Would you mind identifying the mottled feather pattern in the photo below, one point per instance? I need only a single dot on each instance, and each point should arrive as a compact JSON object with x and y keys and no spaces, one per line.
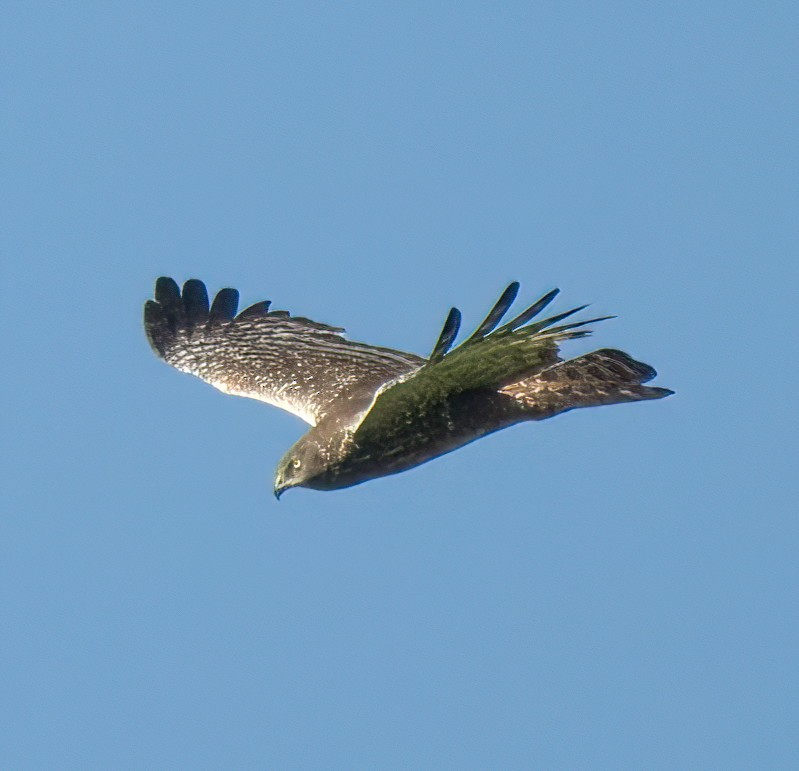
{"x":606,"y":376}
{"x":294,"y":363}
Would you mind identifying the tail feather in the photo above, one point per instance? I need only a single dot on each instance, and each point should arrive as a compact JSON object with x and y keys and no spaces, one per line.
{"x":605,"y":376}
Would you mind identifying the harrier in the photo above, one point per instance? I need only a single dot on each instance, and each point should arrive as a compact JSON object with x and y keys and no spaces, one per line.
{"x":376,"y":411}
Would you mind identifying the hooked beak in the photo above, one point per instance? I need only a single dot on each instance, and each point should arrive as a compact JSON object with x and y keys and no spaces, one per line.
{"x":279,"y":491}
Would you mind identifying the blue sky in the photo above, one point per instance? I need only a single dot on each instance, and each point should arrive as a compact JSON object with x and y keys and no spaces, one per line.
{"x":612,"y":588}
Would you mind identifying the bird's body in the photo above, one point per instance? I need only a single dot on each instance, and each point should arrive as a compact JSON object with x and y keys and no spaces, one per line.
{"x":377,"y":411}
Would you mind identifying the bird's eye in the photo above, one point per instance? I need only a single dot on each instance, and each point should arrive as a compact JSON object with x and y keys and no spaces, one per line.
{"x":296,"y":463}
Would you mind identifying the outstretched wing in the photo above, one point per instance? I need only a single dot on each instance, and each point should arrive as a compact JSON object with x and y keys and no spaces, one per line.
{"x":293,"y":363}
{"x":493,"y":357}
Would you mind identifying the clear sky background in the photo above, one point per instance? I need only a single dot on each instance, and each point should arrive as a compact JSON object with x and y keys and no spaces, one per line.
{"x":613,"y":588}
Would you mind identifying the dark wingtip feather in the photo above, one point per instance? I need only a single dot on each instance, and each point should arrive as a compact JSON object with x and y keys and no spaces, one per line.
{"x":531,"y":312}
{"x":195,"y":300}
{"x":167,"y":290}
{"x":225,"y":305}
{"x":497,"y":312}
{"x":577,"y":324}
{"x":447,"y":336}
{"x":156,"y":326}
{"x":534,"y":329}
{"x":167,"y":295}
{"x":258,"y":309}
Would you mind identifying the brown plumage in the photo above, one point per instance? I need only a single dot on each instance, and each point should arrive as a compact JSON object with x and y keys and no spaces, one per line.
{"x":377,"y":411}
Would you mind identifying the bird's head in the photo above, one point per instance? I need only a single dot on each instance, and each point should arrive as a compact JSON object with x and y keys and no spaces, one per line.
{"x":304,"y":465}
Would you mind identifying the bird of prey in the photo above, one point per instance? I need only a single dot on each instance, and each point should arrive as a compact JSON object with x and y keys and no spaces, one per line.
{"x":376,"y":411}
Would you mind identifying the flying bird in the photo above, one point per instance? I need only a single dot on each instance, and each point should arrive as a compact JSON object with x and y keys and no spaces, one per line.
{"x":376,"y":411}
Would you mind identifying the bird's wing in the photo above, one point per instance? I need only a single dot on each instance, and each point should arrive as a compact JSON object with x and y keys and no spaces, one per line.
{"x":493,"y":357}
{"x":293,"y":363}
